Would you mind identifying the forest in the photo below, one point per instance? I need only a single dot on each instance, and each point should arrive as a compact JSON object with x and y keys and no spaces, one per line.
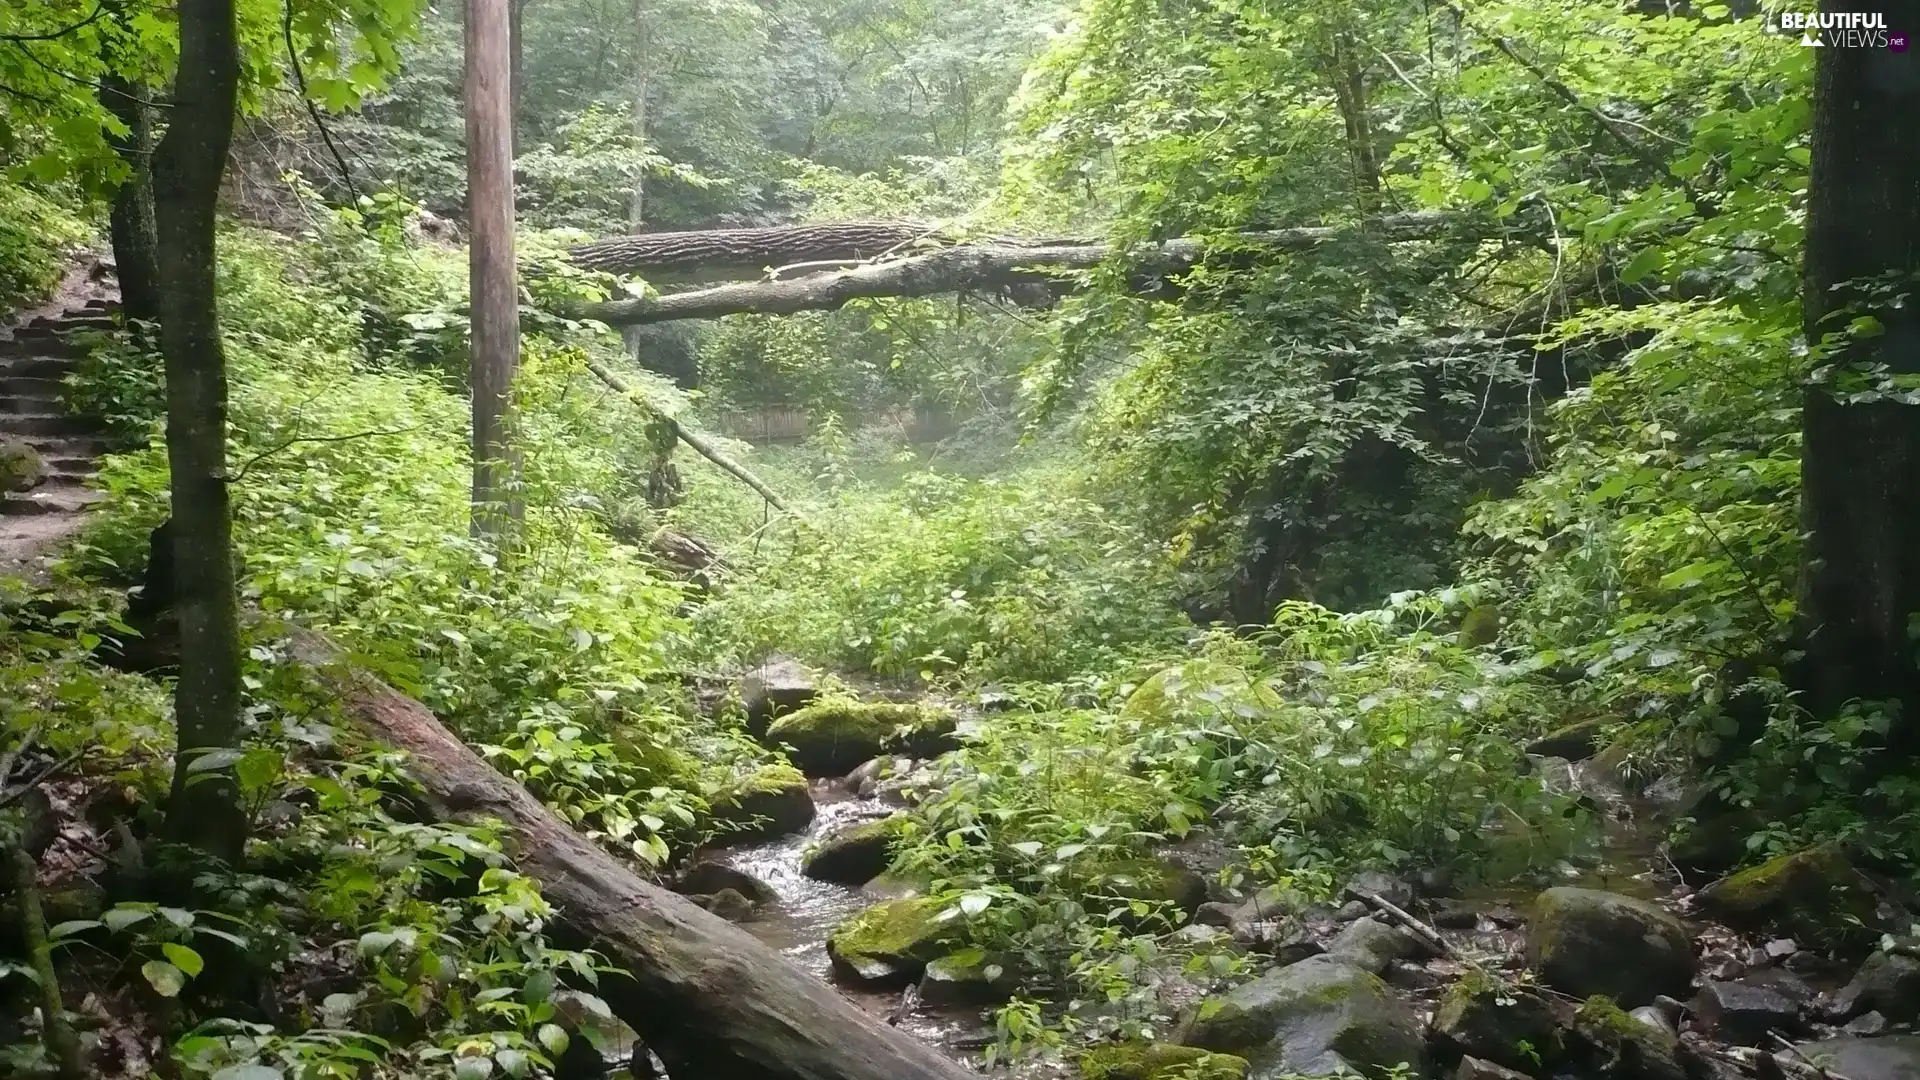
{"x":891,"y":540}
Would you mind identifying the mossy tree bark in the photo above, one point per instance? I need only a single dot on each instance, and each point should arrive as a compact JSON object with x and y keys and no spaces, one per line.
{"x":1860,"y":461}
{"x":187,"y":169}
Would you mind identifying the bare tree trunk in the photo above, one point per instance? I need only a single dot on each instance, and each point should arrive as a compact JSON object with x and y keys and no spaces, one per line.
{"x":1860,"y":460}
{"x":187,"y":168}
{"x":130,"y":223}
{"x":492,"y":287}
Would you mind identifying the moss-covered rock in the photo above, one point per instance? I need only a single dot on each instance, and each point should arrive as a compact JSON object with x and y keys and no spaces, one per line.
{"x":1613,"y":1043}
{"x":1154,"y":881}
{"x":832,"y":738}
{"x":968,"y":977}
{"x":890,"y":943}
{"x":1315,"y":1017}
{"x":1159,"y":1061}
{"x":773,"y":801}
{"x":1586,"y":941}
{"x":20,"y":466}
{"x":729,"y":904}
{"x":1507,"y":1025}
{"x":1814,"y":895}
{"x":893,"y":884}
{"x":856,"y":855}
{"x":1155,"y":700}
{"x":1577,"y":741}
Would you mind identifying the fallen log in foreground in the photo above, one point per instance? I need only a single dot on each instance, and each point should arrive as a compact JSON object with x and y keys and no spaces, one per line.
{"x":713,"y":1002}
{"x":974,"y":268}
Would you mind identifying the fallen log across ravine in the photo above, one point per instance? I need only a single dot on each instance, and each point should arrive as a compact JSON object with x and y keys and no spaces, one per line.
{"x":709,"y":999}
{"x":977,"y":267}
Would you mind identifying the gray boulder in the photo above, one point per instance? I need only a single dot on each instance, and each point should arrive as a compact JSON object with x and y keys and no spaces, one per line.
{"x":1473,"y":1068}
{"x":1887,"y":1057}
{"x":1614,"y":1044}
{"x":779,"y":685}
{"x":1888,"y":983}
{"x":1393,"y":890}
{"x":1585,"y":942}
{"x":1372,"y":945}
{"x":706,"y":878}
{"x":1745,"y":1012}
{"x":1315,"y":1017}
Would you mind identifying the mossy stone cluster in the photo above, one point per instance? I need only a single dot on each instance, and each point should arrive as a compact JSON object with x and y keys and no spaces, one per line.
{"x":772,"y":801}
{"x":832,"y":738}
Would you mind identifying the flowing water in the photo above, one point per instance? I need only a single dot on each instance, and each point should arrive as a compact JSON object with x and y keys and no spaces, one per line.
{"x":797,"y":924}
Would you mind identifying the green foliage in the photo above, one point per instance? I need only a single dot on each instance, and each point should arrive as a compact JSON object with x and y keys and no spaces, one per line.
{"x":37,"y":235}
{"x":950,"y":576}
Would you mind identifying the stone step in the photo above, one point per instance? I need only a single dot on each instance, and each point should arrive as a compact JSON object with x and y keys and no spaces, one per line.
{"x":35,"y":403}
{"x":47,"y":424}
{"x":34,"y":348}
{"x":30,"y":386}
{"x":56,"y":496}
{"x":69,"y":465}
{"x":71,"y":321}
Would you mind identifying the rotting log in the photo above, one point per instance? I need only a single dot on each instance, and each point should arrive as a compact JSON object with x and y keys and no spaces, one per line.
{"x":709,"y":999}
{"x":979,"y":268}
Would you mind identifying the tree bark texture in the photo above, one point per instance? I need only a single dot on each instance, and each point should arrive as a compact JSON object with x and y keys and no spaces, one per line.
{"x":493,"y":291}
{"x":712,"y":1001}
{"x":187,"y":168}
{"x":1860,"y":461}
{"x":130,"y":223}
{"x":966,"y":268}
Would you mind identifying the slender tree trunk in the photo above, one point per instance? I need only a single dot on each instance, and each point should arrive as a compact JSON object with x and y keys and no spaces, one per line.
{"x":1350,"y":92}
{"x":1860,"y":461}
{"x":187,"y":168}
{"x":494,"y":292}
{"x":131,"y":221}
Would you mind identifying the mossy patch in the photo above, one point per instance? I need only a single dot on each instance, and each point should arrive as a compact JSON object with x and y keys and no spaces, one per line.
{"x":891,"y":942}
{"x":1154,"y":881}
{"x":1619,"y":1045}
{"x":1159,"y":1061}
{"x":20,"y":466}
{"x":832,"y":738}
{"x":1158,"y":698}
{"x":1498,"y":1022}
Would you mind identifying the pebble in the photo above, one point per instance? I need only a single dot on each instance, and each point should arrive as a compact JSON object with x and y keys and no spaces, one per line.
{"x":1871,"y":1023}
{"x":1352,"y":910}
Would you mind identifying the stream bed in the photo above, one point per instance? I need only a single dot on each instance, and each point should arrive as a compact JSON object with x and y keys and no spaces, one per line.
{"x":797,"y":924}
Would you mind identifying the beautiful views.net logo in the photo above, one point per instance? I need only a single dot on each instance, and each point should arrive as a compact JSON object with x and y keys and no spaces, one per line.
{"x":1840,"y":29}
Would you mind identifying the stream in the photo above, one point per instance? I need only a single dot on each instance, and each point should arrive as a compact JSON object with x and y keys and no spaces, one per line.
{"x":797,"y":924}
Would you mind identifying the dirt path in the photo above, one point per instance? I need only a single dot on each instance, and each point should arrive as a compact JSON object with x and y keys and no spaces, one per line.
{"x":36,"y":353}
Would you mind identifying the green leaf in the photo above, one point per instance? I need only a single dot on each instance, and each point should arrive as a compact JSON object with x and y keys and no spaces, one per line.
{"x":249,"y":1071}
{"x":70,"y":927}
{"x":183,"y":958}
{"x":165,"y":978}
{"x":120,"y":918}
{"x":554,"y":1038}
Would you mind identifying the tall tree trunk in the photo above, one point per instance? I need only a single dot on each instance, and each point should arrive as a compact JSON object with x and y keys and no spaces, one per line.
{"x":1860,"y":461}
{"x":131,"y":221}
{"x":493,"y":290}
{"x":187,"y":168}
{"x":516,"y":38}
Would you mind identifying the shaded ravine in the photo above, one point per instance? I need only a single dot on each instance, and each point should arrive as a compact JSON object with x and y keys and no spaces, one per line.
{"x":797,"y":924}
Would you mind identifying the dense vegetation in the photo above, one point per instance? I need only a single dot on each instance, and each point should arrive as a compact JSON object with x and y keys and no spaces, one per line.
{"x":1290,"y":553}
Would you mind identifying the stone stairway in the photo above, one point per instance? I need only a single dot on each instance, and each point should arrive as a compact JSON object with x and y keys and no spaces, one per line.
{"x":35,"y":357}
